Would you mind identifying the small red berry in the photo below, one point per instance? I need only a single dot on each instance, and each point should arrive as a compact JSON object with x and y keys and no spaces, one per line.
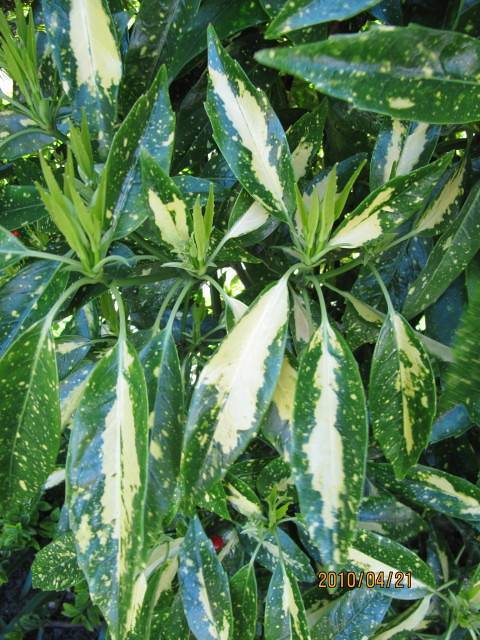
{"x":217,"y":542}
{"x":17,"y":233}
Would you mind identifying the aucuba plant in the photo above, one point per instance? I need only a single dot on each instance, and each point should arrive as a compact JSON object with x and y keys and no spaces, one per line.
{"x":239,"y":306}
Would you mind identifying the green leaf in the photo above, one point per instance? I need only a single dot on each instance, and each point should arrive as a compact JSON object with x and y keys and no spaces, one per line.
{"x":425,"y":74}
{"x":432,"y":489}
{"x":408,"y":620}
{"x":149,"y":126}
{"x":19,"y":206}
{"x":20,"y":136}
{"x":386,"y":516}
{"x":166,"y":203}
{"x":71,"y":391}
{"x":166,"y":406}
{"x":83,"y":41}
{"x":106,"y":484}
{"x":463,"y":375}
{"x":284,"y":609}
{"x":402,"y":396}
{"x":278,"y":424}
{"x":329,"y":441}
{"x":373,"y":553}
{"x":386,"y":208}
{"x":298,"y":14}
{"x":157,"y":27}
{"x":55,"y":567}
{"x":352,"y":616}
{"x":11,"y":249}
{"x":400,"y":148}
{"x":248,"y":133}
{"x":242,"y":498}
{"x":225,"y":415}
{"x":305,"y":138}
{"x":452,"y":253}
{"x":243,"y":591}
{"x":204,"y":587}
{"x":269,"y":555}
{"x":29,"y":419}
{"x":27,"y":297}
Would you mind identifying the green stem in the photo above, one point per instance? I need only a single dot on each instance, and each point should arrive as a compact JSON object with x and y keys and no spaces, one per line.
{"x":122,"y":334}
{"x":321,"y":299}
{"x":41,"y":255}
{"x":72,"y":289}
{"x":384,"y":289}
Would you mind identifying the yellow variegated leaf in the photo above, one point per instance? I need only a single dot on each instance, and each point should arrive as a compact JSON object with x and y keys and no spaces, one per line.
{"x":234,"y":390}
{"x":278,"y":424}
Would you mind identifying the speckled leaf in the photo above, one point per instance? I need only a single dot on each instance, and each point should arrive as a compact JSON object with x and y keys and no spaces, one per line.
{"x":11,"y":249}
{"x":402,"y":396}
{"x":298,"y":14}
{"x":242,"y":498}
{"x":204,"y":587}
{"x":408,"y":620}
{"x":277,"y":475}
{"x":400,"y":148}
{"x":106,"y":484}
{"x":20,"y":136}
{"x":388,"y":207}
{"x":424,"y":74}
{"x":157,"y":25}
{"x":71,"y":350}
{"x":305,"y":139}
{"x":330,"y":437}
{"x":374,"y":553}
{"x":248,"y":132}
{"x":243,"y":590}
{"x":82,"y":37}
{"x":353,"y":616}
{"x":284,"y":609}
{"x":452,"y":253}
{"x":432,"y":489}
{"x":278,"y":424}
{"x":55,"y":567}
{"x":27,"y":297}
{"x":19,"y":206}
{"x":29,"y":419}
{"x":234,"y":390}
{"x":149,"y":126}
{"x":167,"y":205}
{"x":384,"y":515}
{"x":71,"y":390}
{"x":165,"y":394}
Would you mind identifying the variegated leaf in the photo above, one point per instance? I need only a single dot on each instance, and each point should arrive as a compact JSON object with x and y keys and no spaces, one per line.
{"x":352,"y":616}
{"x":83,"y":41}
{"x":242,"y":498}
{"x":27,"y":297}
{"x":253,"y":218}
{"x":402,"y":395}
{"x":284,"y":609}
{"x":401,"y":148}
{"x":29,"y":419}
{"x":224,"y":415}
{"x":55,"y":567}
{"x":305,"y":139}
{"x":329,"y":441}
{"x":166,"y":203}
{"x":204,"y":587}
{"x":383,"y":557}
{"x":408,"y":620}
{"x":384,"y":515}
{"x":166,"y":406}
{"x":278,"y":424}
{"x":388,"y":206}
{"x":71,"y":390}
{"x":448,"y":259}
{"x":106,"y":484}
{"x":243,"y":590}
{"x":432,"y":489}
{"x":248,"y":132}
{"x":11,"y":249}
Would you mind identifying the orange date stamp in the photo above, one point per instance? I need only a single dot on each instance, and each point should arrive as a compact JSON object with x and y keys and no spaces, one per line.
{"x":368,"y":579}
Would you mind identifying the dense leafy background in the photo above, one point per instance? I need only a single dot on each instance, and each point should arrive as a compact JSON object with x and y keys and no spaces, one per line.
{"x":239,"y":303}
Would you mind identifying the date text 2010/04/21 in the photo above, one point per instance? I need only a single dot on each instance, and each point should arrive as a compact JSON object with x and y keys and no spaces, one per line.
{"x":369,"y":579}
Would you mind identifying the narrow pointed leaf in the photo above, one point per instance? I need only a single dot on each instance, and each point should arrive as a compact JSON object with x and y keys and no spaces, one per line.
{"x":432,"y":489}
{"x":293,"y":557}
{"x":225,"y":415}
{"x":402,"y":397}
{"x":243,"y":591}
{"x":204,"y":587}
{"x":448,"y":259}
{"x":329,"y":441}
{"x":29,"y":419}
{"x":388,"y":206}
{"x":83,"y":40}
{"x":284,"y":609}
{"x":408,"y":620}
{"x":248,"y":132}
{"x":420,"y":71}
{"x":106,"y":483}
{"x":305,"y":139}
{"x":278,"y":424}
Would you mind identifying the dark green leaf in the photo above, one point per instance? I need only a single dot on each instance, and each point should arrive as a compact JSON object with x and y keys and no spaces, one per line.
{"x":55,"y":567}
{"x":243,"y":591}
{"x":284,"y":609}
